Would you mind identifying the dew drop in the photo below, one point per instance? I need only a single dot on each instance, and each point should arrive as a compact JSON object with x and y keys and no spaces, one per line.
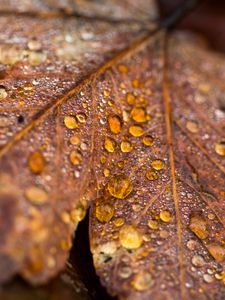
{"x":75,"y":140}
{"x":217,"y":251}
{"x":130,"y":237}
{"x":78,"y":213}
{"x":75,"y":157}
{"x":143,"y":281}
{"x":192,"y":126}
{"x":123,"y":69}
{"x":198,"y":261}
{"x":124,"y":271}
{"x":151,"y":175}
{"x":3,"y":93}
{"x":165,"y":216}
{"x":136,"y":130}
{"x":81,"y":117}
{"x":157,"y":164}
{"x":36,"y":195}
{"x":118,"y":222}
{"x":153,"y":224}
{"x":36,"y":162}
{"x":148,"y":141}
{"x":207,"y":278}
{"x":136,"y":83}
{"x":110,"y":144}
{"x":130,"y":98}
{"x":138,"y":114}
{"x":115,"y":124}
{"x":198,"y":226}
{"x":126,"y":146}
{"x":104,"y":211}
{"x":70,"y":122}
{"x":120,"y":186}
{"x":220,"y":148}
{"x":106,"y":172}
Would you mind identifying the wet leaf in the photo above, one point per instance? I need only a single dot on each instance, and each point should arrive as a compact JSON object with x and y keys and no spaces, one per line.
{"x":50,"y":57}
{"x":102,"y":110}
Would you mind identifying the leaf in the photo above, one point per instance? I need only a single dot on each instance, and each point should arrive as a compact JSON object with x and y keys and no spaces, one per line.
{"x":157,"y":227}
{"x":49,"y":60}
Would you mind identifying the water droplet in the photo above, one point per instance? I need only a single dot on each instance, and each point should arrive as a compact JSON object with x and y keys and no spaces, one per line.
{"x":36,"y":195}
{"x":217,"y":251}
{"x":75,"y":157}
{"x":75,"y":140}
{"x":118,"y":222}
{"x":81,"y":117}
{"x":115,"y":124}
{"x":138,"y":114}
{"x":106,"y":172}
{"x":126,"y":146}
{"x":142,"y":281}
{"x":198,"y":261}
{"x":157,"y":164}
{"x":165,"y":216}
{"x":4,"y":121}
{"x":70,"y":122}
{"x":192,"y":126}
{"x":120,"y":186}
{"x":136,"y":83}
{"x":151,"y":175}
{"x":192,"y":245}
{"x":110,"y":144}
{"x":36,"y":162}
{"x":136,"y":130}
{"x":78,"y":213}
{"x":3,"y":93}
{"x":148,"y":141}
{"x":122,"y":69}
{"x":130,"y":98}
{"x":124,"y":271}
{"x":130,"y":237}
{"x":153,"y":224}
{"x":34,"y":45}
{"x":211,"y":216}
{"x":164,"y":234}
{"x":198,"y":226}
{"x":208,"y":278}
{"x":220,"y":148}
{"x":104,"y":211}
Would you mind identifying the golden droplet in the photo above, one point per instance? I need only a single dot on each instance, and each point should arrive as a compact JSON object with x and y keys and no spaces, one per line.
{"x":75,"y":140}
{"x":36,"y":162}
{"x":75,"y":157}
{"x":36,"y":195}
{"x":151,"y":175}
{"x":106,"y":172}
{"x":198,"y":226}
{"x":157,"y":164}
{"x":126,"y":146}
{"x":28,"y":86}
{"x":217,"y":251}
{"x":120,"y":186}
{"x":220,"y":148}
{"x":130,"y":237}
{"x":81,"y":117}
{"x":136,"y":83}
{"x":148,"y":141}
{"x":104,"y":211}
{"x":110,"y":144}
{"x":153,"y":224}
{"x":130,"y":98}
{"x":115,"y":124}
{"x":142,"y":281}
{"x":78,"y":213}
{"x":198,"y":261}
{"x":3,"y":93}
{"x":122,"y":69}
{"x":165,"y":216}
{"x":118,"y":222}
{"x":136,"y":130}
{"x":70,"y":122}
{"x":106,"y":93}
{"x":138,"y":114}
{"x":192,"y":126}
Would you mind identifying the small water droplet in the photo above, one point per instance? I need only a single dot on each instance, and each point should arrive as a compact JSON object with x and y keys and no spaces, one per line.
{"x":153,"y":224}
{"x":115,"y":124}
{"x":126,"y":146}
{"x":36,"y":162}
{"x":151,"y":175}
{"x":130,"y":98}
{"x":104,"y":211}
{"x":148,"y":141}
{"x":110,"y":144}
{"x":136,"y":130}
{"x":81,"y":117}
{"x":143,"y":281}
{"x":118,"y":222}
{"x":165,"y":216}
{"x":217,"y":251}
{"x":123,"y":69}
{"x":70,"y":122}
{"x":198,"y":226}
{"x":75,"y":140}
{"x":192,"y":126}
{"x":136,"y":83}
{"x":75,"y":157}
{"x":120,"y":186}
{"x":138,"y":114}
{"x":36,"y":195}
{"x":220,"y":148}
{"x":3,"y":93}
{"x":198,"y":261}
{"x":130,"y":237}
{"x":157,"y":164}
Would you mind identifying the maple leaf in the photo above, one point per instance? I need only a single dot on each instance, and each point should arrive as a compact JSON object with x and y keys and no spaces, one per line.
{"x":128,"y":119}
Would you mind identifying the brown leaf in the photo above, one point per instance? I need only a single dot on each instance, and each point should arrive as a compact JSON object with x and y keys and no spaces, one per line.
{"x":157,"y":227}
{"x":48,"y":118}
